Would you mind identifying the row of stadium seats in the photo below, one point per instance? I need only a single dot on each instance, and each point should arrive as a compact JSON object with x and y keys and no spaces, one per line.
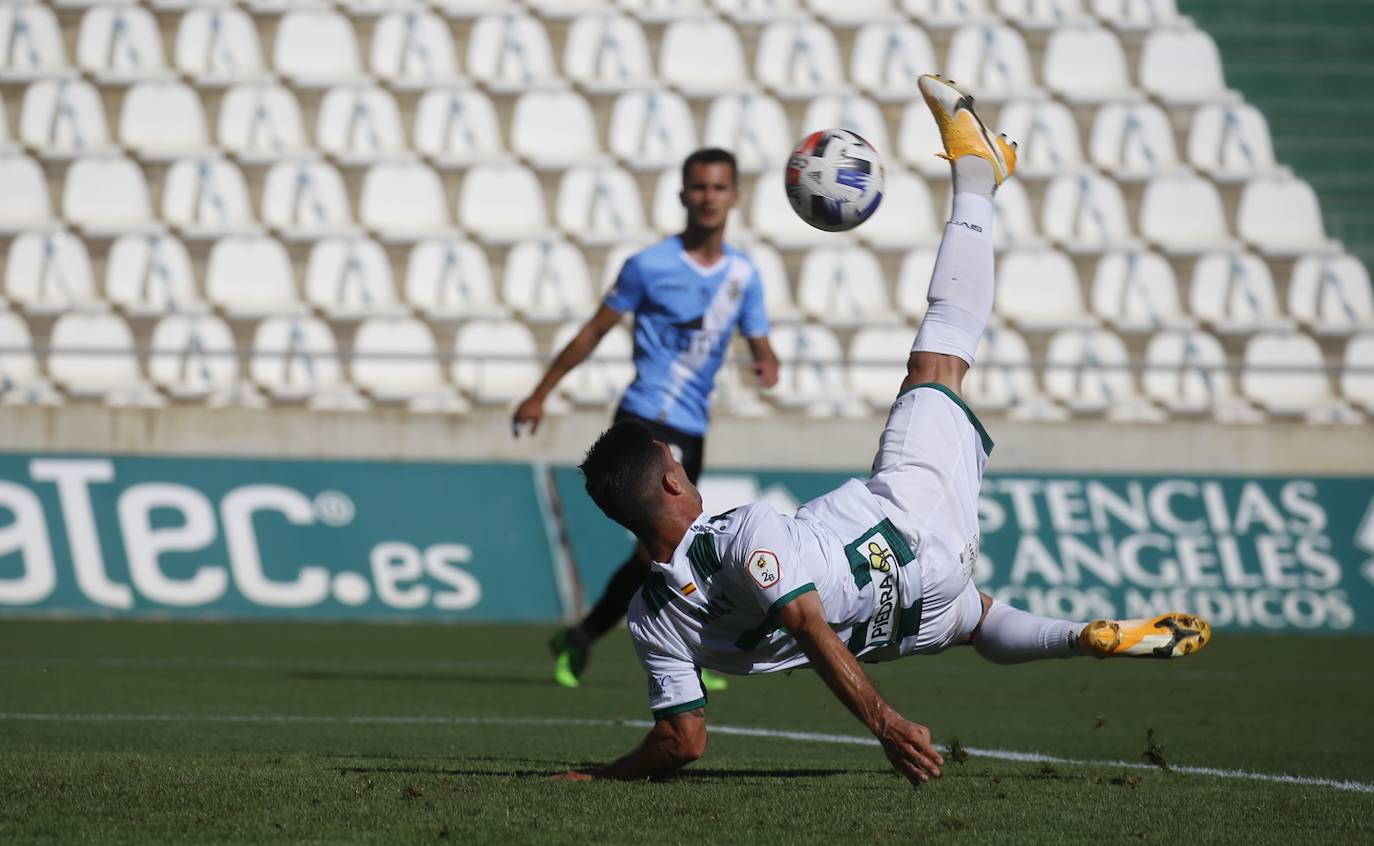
{"x":446,"y":280}
{"x":396,"y":361}
{"x":699,"y":55}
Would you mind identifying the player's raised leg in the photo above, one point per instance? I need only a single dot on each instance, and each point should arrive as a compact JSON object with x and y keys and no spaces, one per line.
{"x":1009,"y":635}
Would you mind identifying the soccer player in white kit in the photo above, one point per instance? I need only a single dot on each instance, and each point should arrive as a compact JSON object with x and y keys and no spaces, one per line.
{"x":875,"y":570}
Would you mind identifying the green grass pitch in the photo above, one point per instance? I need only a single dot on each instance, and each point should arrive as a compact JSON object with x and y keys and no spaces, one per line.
{"x":267,"y":732}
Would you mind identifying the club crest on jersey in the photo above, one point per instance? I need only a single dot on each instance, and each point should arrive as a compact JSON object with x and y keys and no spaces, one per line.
{"x":764,"y":568}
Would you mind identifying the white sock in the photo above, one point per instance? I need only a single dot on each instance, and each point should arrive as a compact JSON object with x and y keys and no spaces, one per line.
{"x":961,"y":287}
{"x":1008,"y":635}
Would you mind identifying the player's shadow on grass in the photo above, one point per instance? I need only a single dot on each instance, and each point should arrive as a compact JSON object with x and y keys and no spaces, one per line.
{"x":546,"y":771}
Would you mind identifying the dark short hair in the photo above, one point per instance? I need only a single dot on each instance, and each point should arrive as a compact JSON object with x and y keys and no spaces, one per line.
{"x":622,"y":470}
{"x":711,"y":155}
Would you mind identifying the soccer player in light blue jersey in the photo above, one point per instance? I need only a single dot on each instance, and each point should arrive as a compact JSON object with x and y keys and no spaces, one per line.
{"x":688,"y":293}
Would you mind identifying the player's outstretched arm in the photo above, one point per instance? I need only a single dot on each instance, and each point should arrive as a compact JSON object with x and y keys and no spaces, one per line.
{"x":906,"y":744}
{"x":531,"y":411}
{"x":673,"y":743}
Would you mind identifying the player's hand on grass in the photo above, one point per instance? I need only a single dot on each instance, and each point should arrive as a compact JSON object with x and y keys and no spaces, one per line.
{"x":573,"y":775}
{"x":528,"y":413}
{"x":908,"y":747}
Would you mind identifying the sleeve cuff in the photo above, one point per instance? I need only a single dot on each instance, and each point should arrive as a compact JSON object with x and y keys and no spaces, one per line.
{"x":672,"y":710}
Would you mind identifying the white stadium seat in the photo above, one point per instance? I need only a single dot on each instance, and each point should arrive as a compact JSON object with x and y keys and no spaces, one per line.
{"x":316,"y":48}
{"x":702,"y":57}
{"x":1331,"y":294}
{"x":117,"y":43}
{"x":1281,"y":216}
{"x":150,"y":274}
{"x":457,"y":126}
{"x":206,"y":198}
{"x":25,"y":190}
{"x":1013,"y":224}
{"x":20,"y":382}
{"x":991,"y":59}
{"x":913,"y":282}
{"x":466,"y":9}
{"x":798,"y":59}
{"x":449,"y":279}
{"x":1039,"y":289}
{"x":553,"y":129}
{"x":251,"y":277}
{"x":853,"y":12}
{"x":1137,"y":15}
{"x":412,"y":48}
{"x":857,"y":114}
{"x":1230,"y":141}
{"x":60,"y":118}
{"x":662,"y":11}
{"x":1133,"y":141}
{"x":1087,"y":370}
{"x":651,"y":130}
{"x":92,"y":355}
{"x":1357,"y":376}
{"x":753,"y":127}
{"x":403,"y":201}
{"x":600,"y":205}
{"x":50,"y":273}
{"x":669,"y":216}
{"x":107,"y":194}
{"x":1086,"y":64}
{"x":1046,"y":134}
{"x":359,"y":124}
{"x":305,"y":199}
{"x":904,"y":219}
{"x":918,"y":140}
{"x":777,"y":291}
{"x":1186,"y":372}
{"x":1136,"y":291}
{"x":295,"y":359}
{"x":163,"y":120}
{"x":771,"y":215}
{"x":496,"y":362}
{"x":1183,"y":214}
{"x":350,"y":279}
{"x":570,"y":9}
{"x":395,"y":360}
{"x":1182,"y":66}
{"x":217,"y":45}
{"x":33,"y":42}
{"x":1284,"y":373}
{"x":1234,"y":293}
{"x":1044,"y":14}
{"x":547,"y":282}
{"x":502,"y":203}
{"x":844,"y":286}
{"x":607,"y":52}
{"x":1003,"y":380}
{"x":510,"y":52}
{"x":948,"y":14}
{"x":877,"y":363}
{"x":1085,"y":211}
{"x":261,"y":123}
{"x":811,"y":372}
{"x":194,"y":357}
{"x":759,"y":11}
{"x":602,"y":378}
{"x":888,"y":57}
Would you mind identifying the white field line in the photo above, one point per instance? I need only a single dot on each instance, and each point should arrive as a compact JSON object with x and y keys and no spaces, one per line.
{"x":801,"y":736}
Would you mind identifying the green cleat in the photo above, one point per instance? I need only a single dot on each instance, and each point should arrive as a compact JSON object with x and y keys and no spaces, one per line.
{"x":713,"y":682}
{"x":568,"y":660}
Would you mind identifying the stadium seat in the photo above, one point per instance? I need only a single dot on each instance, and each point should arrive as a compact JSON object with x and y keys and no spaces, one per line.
{"x":403,"y":201}
{"x":1085,"y":212}
{"x":857,"y":114}
{"x":450,"y":279}
{"x":752,"y":126}
{"x":502,"y":203}
{"x":1003,"y":380}
{"x":1331,"y":294}
{"x":669,"y":216}
{"x":1182,"y":67}
{"x":602,"y":378}
{"x":851,"y":13}
{"x":844,"y":286}
{"x":877,"y":363}
{"x":1138,"y":15}
{"x":1186,"y":373}
{"x":1013,"y":225}
{"x":1039,"y":290}
{"x":350,"y":279}
{"x":316,"y":48}
{"x":251,"y":277}
{"x":663,"y":11}
{"x":906,"y":217}
{"x":359,"y":124}
{"x":1088,"y":371}
{"x":702,"y":57}
{"x":547,"y":282}
{"x":25,"y":190}
{"x":1234,"y":293}
{"x":1133,"y":141}
{"x":496,"y":362}
{"x":798,"y":59}
{"x":50,"y":273}
{"x":147,"y":275}
{"x":1230,"y":141}
{"x":261,"y":123}
{"x":991,"y":59}
{"x":651,"y":130}
{"x":295,"y":359}
{"x":20,"y":382}
{"x":918,"y":140}
{"x":7,"y":144}
{"x":777,"y":291}
{"x":92,"y":356}
{"x":554,"y":129}
{"x":304,"y":199}
{"x":1084,"y":64}
{"x":32,"y":27}
{"x":106,"y":195}
{"x":1281,"y":217}
{"x":1357,"y":375}
{"x":913,"y":282}
{"x":771,"y":215}
{"x":607,"y":52}
{"x":217,"y":45}
{"x":888,"y":57}
{"x":948,"y":14}
{"x":1046,"y":134}
{"x":471,"y":9}
{"x":194,"y":357}
{"x":457,"y":127}
{"x":1285,"y":374}
{"x":206,"y":198}
{"x":120,"y":44}
{"x":395,"y":360}
{"x":600,"y":206}
{"x":754,"y":12}
{"x":811,"y":372}
{"x":1044,"y":14}
{"x":1183,"y":215}
{"x":63,"y":118}
{"x":573,"y":10}
{"x":1136,"y":291}
{"x":510,"y":52}
{"x":412,"y":49}
{"x":163,"y":120}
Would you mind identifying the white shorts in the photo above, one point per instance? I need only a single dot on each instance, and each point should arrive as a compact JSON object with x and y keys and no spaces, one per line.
{"x":927,"y":473}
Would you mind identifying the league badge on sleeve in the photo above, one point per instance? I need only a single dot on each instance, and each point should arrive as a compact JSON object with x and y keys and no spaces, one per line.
{"x":765,"y":568}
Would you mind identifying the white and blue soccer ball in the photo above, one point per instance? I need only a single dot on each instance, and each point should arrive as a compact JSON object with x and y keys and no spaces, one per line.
{"x":834,"y":180}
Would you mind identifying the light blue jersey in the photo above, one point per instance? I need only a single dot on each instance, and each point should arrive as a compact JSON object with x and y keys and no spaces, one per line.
{"x":684,"y":317}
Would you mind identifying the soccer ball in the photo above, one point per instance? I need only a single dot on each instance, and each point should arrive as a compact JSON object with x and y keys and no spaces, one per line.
{"x":834,"y":180}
